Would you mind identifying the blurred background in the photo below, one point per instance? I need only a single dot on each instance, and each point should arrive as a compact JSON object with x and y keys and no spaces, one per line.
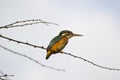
{"x":97,"y":20}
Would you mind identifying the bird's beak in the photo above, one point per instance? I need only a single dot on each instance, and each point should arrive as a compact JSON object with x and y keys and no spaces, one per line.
{"x":77,"y":35}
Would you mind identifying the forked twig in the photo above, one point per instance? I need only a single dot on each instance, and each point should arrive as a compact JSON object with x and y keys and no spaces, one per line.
{"x":4,"y":76}
{"x":26,"y":22}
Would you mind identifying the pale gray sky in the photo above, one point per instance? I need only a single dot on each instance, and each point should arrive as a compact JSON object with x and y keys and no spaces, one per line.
{"x":97,"y":20}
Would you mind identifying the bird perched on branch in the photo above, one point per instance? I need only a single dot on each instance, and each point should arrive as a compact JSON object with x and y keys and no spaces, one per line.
{"x":59,"y":42}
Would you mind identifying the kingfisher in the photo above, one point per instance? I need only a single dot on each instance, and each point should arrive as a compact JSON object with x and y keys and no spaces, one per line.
{"x":59,"y":42}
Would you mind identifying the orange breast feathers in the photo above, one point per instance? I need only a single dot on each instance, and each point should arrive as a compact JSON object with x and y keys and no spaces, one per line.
{"x":58,"y":46}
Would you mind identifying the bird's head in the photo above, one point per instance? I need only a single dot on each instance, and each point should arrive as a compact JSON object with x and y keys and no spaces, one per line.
{"x":68,"y":34}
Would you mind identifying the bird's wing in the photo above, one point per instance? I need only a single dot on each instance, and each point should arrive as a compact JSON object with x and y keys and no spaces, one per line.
{"x":53,"y":41}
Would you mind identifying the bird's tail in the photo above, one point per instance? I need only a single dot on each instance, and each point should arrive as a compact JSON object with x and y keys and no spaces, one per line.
{"x":48,"y":54}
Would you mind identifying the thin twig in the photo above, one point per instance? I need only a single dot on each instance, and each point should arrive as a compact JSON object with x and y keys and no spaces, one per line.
{"x":30,"y":58}
{"x":26,"y":22}
{"x":35,"y":46}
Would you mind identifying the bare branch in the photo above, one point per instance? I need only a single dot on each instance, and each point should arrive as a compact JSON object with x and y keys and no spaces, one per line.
{"x":35,"y":46}
{"x":10,"y":39}
{"x":90,"y":62}
{"x":26,"y":22}
{"x":25,"y":56}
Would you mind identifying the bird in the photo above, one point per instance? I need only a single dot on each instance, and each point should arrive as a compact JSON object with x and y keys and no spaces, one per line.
{"x":59,"y":42}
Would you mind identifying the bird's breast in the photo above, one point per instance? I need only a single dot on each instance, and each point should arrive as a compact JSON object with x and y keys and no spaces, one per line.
{"x":58,"y":46}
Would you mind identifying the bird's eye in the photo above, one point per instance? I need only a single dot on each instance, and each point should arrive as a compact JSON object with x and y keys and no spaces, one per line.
{"x":70,"y":33}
